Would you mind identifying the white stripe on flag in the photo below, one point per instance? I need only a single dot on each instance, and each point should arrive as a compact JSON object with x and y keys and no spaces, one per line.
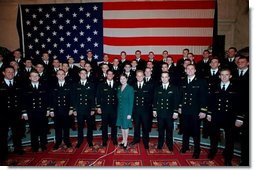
{"x":158,"y":14}
{"x":158,"y":32}
{"x":116,"y":50}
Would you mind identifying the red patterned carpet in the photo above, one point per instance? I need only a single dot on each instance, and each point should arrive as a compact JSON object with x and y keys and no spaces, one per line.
{"x":134,"y":156}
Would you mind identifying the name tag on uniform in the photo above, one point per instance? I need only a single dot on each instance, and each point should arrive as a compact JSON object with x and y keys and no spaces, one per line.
{"x":105,"y":89}
{"x":88,"y":88}
{"x":195,"y":86}
{"x":145,"y":91}
{"x":184,"y":86}
{"x":170,"y":92}
{"x":78,"y":88}
{"x":159,"y":92}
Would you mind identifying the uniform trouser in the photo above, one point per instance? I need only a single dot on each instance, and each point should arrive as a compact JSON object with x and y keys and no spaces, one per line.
{"x":109,"y":119}
{"x":245,"y":145}
{"x":141,"y":118}
{"x":165,"y":124}
{"x":229,"y":140}
{"x":191,"y":127}
{"x":82,"y":117}
{"x":62,"y":127}
{"x":38,"y":129}
{"x":16,"y":129}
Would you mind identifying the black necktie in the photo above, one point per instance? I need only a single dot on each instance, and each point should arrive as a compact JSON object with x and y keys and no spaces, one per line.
{"x":223,"y":87}
{"x":10,"y":83}
{"x":189,"y":80}
{"x":213,"y":72}
{"x":241,"y":73}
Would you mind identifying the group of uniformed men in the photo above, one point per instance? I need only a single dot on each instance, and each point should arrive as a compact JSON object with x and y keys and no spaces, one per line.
{"x":213,"y":90}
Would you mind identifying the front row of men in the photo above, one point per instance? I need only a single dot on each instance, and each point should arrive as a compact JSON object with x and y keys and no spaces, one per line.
{"x":37,"y":102}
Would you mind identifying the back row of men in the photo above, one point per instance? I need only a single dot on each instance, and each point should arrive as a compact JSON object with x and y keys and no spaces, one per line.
{"x":96,"y":70}
{"x":83,"y":92}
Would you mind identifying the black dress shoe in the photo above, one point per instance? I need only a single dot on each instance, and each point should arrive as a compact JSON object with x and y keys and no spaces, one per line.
{"x":134,"y":142}
{"x":90,"y":144}
{"x":195,"y":155}
{"x":146,"y":146}
{"x":19,"y":151}
{"x":104,"y":144}
{"x":35,"y":150}
{"x":121,"y":144}
{"x":211,"y":155}
{"x":170,"y":148}
{"x":227,"y":163}
{"x":183,"y":150}
{"x":68,"y":145}
{"x":78,"y":145}
{"x":56,"y":147}
{"x":43,"y":148}
{"x":115,"y":142}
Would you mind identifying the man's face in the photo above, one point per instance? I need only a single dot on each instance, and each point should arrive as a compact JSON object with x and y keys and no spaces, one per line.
{"x":149,"y":65}
{"x":225,"y":76}
{"x":148,"y":72}
{"x":17,"y":54}
{"x":190,"y":70}
{"x":115,"y":62}
{"x":165,"y":54}
{"x":151,"y":56}
{"x":83,"y":75}
{"x":140,"y":76}
{"x":34,"y":77}
{"x":169,"y":61}
{"x":242,"y":63}
{"x":56,"y":63}
{"x":231,"y":53}
{"x":104,"y":68}
{"x":39,"y":68}
{"x":164,"y":68}
{"x":164,"y":78}
{"x":123,"y":56}
{"x":28,"y":63}
{"x":138,"y":54}
{"x":214,"y":63}
{"x":105,"y":58}
{"x":60,"y":75}
{"x":45,"y":56}
{"x":65,"y":67}
{"x":206,"y":55}
{"x":88,"y":67}
{"x":9,"y":73}
{"x":110,"y":76}
{"x":89,"y":54}
{"x":127,"y":68}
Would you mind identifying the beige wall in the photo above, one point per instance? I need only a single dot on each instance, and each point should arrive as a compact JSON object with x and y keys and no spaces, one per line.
{"x":233,"y":20}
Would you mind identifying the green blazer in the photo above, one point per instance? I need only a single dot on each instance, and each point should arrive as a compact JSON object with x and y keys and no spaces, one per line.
{"x":125,"y":106}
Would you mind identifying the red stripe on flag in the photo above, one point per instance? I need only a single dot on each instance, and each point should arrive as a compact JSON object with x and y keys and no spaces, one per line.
{"x":159,"y":5}
{"x":140,"y":41}
{"x":155,"y":23}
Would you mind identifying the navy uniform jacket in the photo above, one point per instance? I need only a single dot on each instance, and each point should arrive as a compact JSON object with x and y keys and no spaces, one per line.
{"x":61,"y":97}
{"x":166,"y":101}
{"x":10,"y":100}
{"x":143,"y":98}
{"x":83,"y":97}
{"x":36,"y":101}
{"x":223,"y":105}
{"x":193,"y":96}
{"x":107,"y":97}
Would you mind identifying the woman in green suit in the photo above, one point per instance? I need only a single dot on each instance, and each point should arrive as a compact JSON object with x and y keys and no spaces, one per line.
{"x":125,"y":95}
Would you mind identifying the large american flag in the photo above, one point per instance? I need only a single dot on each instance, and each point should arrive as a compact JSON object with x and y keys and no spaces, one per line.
{"x":65,"y":30}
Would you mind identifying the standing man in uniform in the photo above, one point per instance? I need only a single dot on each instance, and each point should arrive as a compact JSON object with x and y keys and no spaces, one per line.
{"x":193,"y":107}
{"x":141,"y":109}
{"x":165,"y":108}
{"x":36,"y":105}
{"x":83,"y":101}
{"x":61,"y":97}
{"x":10,"y":100}
{"x":222,"y":114}
{"x":107,"y":107}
